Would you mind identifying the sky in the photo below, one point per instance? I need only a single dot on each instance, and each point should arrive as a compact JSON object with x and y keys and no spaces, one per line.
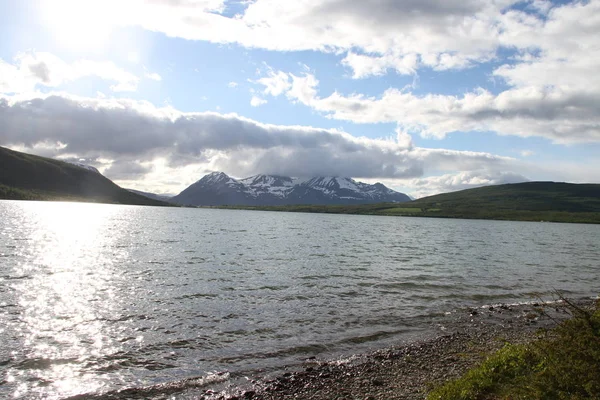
{"x":425,"y":96}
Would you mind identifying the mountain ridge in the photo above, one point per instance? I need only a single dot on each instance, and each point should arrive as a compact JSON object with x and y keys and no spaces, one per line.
{"x":218,"y":188}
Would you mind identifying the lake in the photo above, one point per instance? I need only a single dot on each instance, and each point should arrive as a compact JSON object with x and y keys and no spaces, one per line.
{"x":95,"y":298}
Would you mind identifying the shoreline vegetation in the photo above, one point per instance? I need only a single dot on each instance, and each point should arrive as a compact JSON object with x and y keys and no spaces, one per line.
{"x":404,"y":210}
{"x":534,"y":351}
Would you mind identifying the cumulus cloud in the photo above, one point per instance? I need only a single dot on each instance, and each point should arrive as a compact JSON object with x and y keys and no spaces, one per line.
{"x":275,"y":83}
{"x":374,"y":35}
{"x":364,"y":65}
{"x":38,"y":68}
{"x":433,"y":30}
{"x":138,"y":133}
{"x":563,"y":114}
{"x":256,"y":101}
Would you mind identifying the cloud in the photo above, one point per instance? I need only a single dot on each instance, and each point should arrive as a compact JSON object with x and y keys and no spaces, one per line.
{"x":275,"y":83}
{"x":374,"y":35}
{"x":125,"y":129}
{"x":553,"y":57}
{"x":38,"y":68}
{"x":364,"y":66}
{"x":563,"y":114}
{"x":232,"y":85}
{"x":127,"y":169}
{"x":256,"y":101}
{"x":431,"y":30}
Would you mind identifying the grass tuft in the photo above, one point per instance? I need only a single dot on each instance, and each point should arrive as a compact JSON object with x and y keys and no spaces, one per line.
{"x":565,"y":364}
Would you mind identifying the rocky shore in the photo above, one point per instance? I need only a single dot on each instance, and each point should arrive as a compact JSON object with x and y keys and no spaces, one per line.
{"x":409,"y":370}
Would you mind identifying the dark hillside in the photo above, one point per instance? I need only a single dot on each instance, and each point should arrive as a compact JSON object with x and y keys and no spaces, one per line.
{"x":519,"y":199}
{"x":28,"y":177}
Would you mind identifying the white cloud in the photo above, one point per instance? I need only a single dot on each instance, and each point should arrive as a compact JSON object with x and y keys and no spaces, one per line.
{"x":256,"y":101}
{"x":465,"y":29}
{"x":232,"y":85}
{"x":561,"y":114}
{"x":276,"y":82}
{"x":375,"y":35}
{"x":397,"y":34}
{"x":364,"y":65}
{"x":526,"y":153}
{"x":37,"y":68}
{"x":303,"y":88}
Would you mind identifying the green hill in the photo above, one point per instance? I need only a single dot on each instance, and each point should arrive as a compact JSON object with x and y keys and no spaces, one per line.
{"x":28,"y":177}
{"x":529,"y":201}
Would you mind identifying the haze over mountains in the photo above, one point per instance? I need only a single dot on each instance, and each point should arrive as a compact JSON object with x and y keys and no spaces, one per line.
{"x":218,"y":188}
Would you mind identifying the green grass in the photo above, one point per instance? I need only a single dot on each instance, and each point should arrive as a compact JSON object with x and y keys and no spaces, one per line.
{"x":565,"y":364}
{"x":401,"y":210}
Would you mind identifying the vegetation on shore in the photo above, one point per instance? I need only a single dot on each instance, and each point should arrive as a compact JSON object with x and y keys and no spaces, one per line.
{"x":28,"y":177}
{"x":529,"y":201}
{"x":563,"y":364}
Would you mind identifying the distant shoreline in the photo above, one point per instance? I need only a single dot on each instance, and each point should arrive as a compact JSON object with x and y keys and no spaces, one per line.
{"x":384,"y":210}
{"x":393,"y":210}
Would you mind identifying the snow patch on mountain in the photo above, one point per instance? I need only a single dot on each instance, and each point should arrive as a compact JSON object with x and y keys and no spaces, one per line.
{"x":273,"y":184}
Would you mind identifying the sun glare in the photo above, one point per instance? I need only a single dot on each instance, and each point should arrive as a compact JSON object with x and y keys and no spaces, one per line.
{"x":78,"y":25}
{"x":61,"y":318}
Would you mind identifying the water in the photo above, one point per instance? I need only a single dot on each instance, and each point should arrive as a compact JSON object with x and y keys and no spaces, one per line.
{"x":95,"y":298}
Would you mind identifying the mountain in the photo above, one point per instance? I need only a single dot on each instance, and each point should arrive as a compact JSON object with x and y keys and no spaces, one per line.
{"x":528,"y":201}
{"x":28,"y":177}
{"x":218,"y":189}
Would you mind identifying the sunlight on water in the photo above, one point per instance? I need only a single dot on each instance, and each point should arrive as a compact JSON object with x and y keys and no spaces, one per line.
{"x":61,"y":323}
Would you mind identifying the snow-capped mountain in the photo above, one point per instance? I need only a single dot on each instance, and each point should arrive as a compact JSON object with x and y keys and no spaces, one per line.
{"x":218,"y":188}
